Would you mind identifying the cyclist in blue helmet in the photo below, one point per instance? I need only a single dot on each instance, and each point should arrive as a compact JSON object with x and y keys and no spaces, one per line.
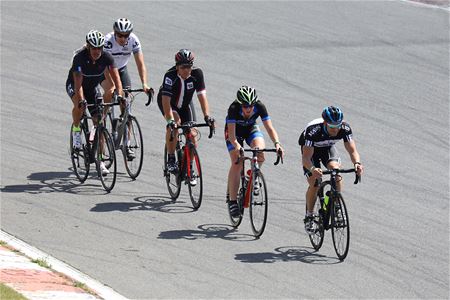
{"x":317,"y":142}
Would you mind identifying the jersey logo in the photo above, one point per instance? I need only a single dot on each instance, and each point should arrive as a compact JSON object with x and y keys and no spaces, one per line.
{"x":313,"y":130}
{"x":108,"y":45}
{"x":190,"y":85}
{"x":136,"y":44}
{"x":168,"y":81}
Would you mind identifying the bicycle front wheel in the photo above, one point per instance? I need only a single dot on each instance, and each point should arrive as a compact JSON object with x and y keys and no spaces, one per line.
{"x":258,"y":204}
{"x":80,"y":157}
{"x":340,"y":227}
{"x":194,"y":179}
{"x":106,"y":155}
{"x":133,"y":152}
{"x":173,"y":180}
{"x":236,"y":221}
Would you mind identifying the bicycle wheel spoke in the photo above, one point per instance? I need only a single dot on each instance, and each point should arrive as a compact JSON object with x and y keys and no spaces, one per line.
{"x":259,"y":205}
{"x":106,"y":156}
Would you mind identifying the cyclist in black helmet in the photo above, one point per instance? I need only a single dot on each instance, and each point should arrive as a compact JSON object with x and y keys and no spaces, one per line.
{"x":317,"y":145}
{"x":241,"y":126}
{"x":175,"y":96}
{"x":90,"y":66}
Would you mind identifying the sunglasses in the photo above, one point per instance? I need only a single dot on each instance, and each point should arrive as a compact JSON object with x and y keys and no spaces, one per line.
{"x":185,"y":67}
{"x":335,"y":126}
{"x":247,"y":106}
{"x":120,"y":35}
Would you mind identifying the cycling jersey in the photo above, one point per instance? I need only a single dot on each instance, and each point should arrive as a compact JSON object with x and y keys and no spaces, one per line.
{"x":243,"y":125}
{"x":179,"y":90}
{"x":316,"y":135}
{"x":120,"y":53}
{"x":92,"y":71}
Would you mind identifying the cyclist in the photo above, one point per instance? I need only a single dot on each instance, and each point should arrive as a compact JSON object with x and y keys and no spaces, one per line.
{"x":90,"y":66}
{"x":317,"y":143}
{"x":241,"y":125}
{"x":121,"y":43}
{"x":175,"y":96}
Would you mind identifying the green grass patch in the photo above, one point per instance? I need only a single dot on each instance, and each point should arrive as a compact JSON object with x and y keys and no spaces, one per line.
{"x":8,"y":293}
{"x":42,"y":262}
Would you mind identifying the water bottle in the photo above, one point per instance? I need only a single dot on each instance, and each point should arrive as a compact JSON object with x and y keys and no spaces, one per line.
{"x":92,"y":134}
{"x":325,"y":200}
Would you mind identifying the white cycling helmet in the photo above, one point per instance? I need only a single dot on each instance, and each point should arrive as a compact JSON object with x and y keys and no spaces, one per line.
{"x":95,"y":38}
{"x":123,"y":25}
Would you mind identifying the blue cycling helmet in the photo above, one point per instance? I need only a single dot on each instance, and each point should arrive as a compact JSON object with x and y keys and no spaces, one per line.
{"x":332,"y":115}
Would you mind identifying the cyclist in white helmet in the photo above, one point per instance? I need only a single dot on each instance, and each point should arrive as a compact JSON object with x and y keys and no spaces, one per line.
{"x":122,"y":43}
{"x":90,"y":66}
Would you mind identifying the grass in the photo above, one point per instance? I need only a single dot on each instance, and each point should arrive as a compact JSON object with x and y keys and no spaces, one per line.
{"x":42,"y":262}
{"x":8,"y":293}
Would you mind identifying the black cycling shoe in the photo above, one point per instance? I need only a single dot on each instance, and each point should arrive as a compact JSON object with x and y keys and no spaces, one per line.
{"x":233,"y":207}
{"x":172,"y":166}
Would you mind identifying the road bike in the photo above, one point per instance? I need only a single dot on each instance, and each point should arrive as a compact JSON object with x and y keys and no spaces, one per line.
{"x":256,"y":200}
{"x":127,"y":134}
{"x":330,"y":212}
{"x":188,"y":161}
{"x":96,"y":147}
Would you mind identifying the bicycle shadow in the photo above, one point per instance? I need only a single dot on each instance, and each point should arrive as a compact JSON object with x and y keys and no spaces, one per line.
{"x":156,"y":202}
{"x":288,"y":254}
{"x":207,"y":231}
{"x":54,"y":182}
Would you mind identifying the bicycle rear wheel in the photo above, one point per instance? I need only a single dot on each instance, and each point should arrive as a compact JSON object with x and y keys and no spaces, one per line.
{"x":235,"y":222}
{"x":106,"y":153}
{"x":258,"y":205}
{"x":80,"y":157}
{"x":173,"y":181}
{"x":340,"y":227}
{"x":316,"y":239}
{"x":133,"y":150}
{"x":195,"y":180}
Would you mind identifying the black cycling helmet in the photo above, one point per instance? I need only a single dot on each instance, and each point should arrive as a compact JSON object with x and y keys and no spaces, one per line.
{"x":246,"y":96}
{"x":123,"y":25}
{"x":332,"y":115}
{"x":184,"y":57}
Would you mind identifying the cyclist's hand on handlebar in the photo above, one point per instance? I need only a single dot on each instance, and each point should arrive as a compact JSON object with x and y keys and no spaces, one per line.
{"x":171,"y":124}
{"x":359,"y":168}
{"x":316,"y":172}
{"x":210,"y":121}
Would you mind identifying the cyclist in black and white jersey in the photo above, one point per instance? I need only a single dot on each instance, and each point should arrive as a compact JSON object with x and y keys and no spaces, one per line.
{"x":241,"y":126}
{"x":122,"y":43}
{"x":90,"y":66}
{"x":175,"y":96}
{"x":317,"y":143}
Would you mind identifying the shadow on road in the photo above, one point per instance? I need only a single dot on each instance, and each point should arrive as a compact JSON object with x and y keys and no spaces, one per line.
{"x":287,"y":254}
{"x":60,"y":182}
{"x":157,"y":202}
{"x":207,"y":231}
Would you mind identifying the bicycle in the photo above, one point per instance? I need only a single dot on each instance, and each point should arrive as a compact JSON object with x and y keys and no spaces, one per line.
{"x":189,"y":167}
{"x":257,"y":203}
{"x":96,"y":147}
{"x":331,"y":213}
{"x":127,"y":134}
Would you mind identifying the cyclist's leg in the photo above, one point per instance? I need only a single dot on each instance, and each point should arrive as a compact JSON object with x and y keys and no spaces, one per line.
{"x":77,"y":111}
{"x":334,"y":162}
{"x":313,"y":184}
{"x":256,"y":139}
{"x":233,"y":177}
{"x":108,"y":87}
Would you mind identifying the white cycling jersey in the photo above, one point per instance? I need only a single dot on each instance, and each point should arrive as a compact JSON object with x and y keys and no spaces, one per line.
{"x":122,"y":54}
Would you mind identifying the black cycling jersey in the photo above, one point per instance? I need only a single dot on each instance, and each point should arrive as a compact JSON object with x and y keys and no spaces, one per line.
{"x":181,"y":91}
{"x":316,"y":135}
{"x":92,"y":71}
{"x":245,"y":126}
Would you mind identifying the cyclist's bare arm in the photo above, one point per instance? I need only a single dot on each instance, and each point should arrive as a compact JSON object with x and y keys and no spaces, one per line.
{"x":307,"y":161}
{"x":168,"y":114}
{"x":203,"y":103}
{"x":273,"y":135}
{"x":142,"y":70}
{"x":232,"y":136}
{"x":354,"y":156}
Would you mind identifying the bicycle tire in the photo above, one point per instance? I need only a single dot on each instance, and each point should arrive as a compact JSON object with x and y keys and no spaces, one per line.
{"x":80,"y":158}
{"x":173,"y":181}
{"x":195,"y":191}
{"x":258,"y":205}
{"x":134,"y":166}
{"x":340,"y":227}
{"x":317,"y":238}
{"x":108,"y":156}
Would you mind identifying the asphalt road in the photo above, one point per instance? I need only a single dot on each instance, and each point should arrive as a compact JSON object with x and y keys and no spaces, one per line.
{"x":385,"y":63}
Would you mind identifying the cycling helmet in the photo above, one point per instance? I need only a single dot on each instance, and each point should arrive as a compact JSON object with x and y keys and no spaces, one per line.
{"x":184,"y":57}
{"x":246,"y":95}
{"x":332,"y":115}
{"x":123,"y":25}
{"x":95,"y":38}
